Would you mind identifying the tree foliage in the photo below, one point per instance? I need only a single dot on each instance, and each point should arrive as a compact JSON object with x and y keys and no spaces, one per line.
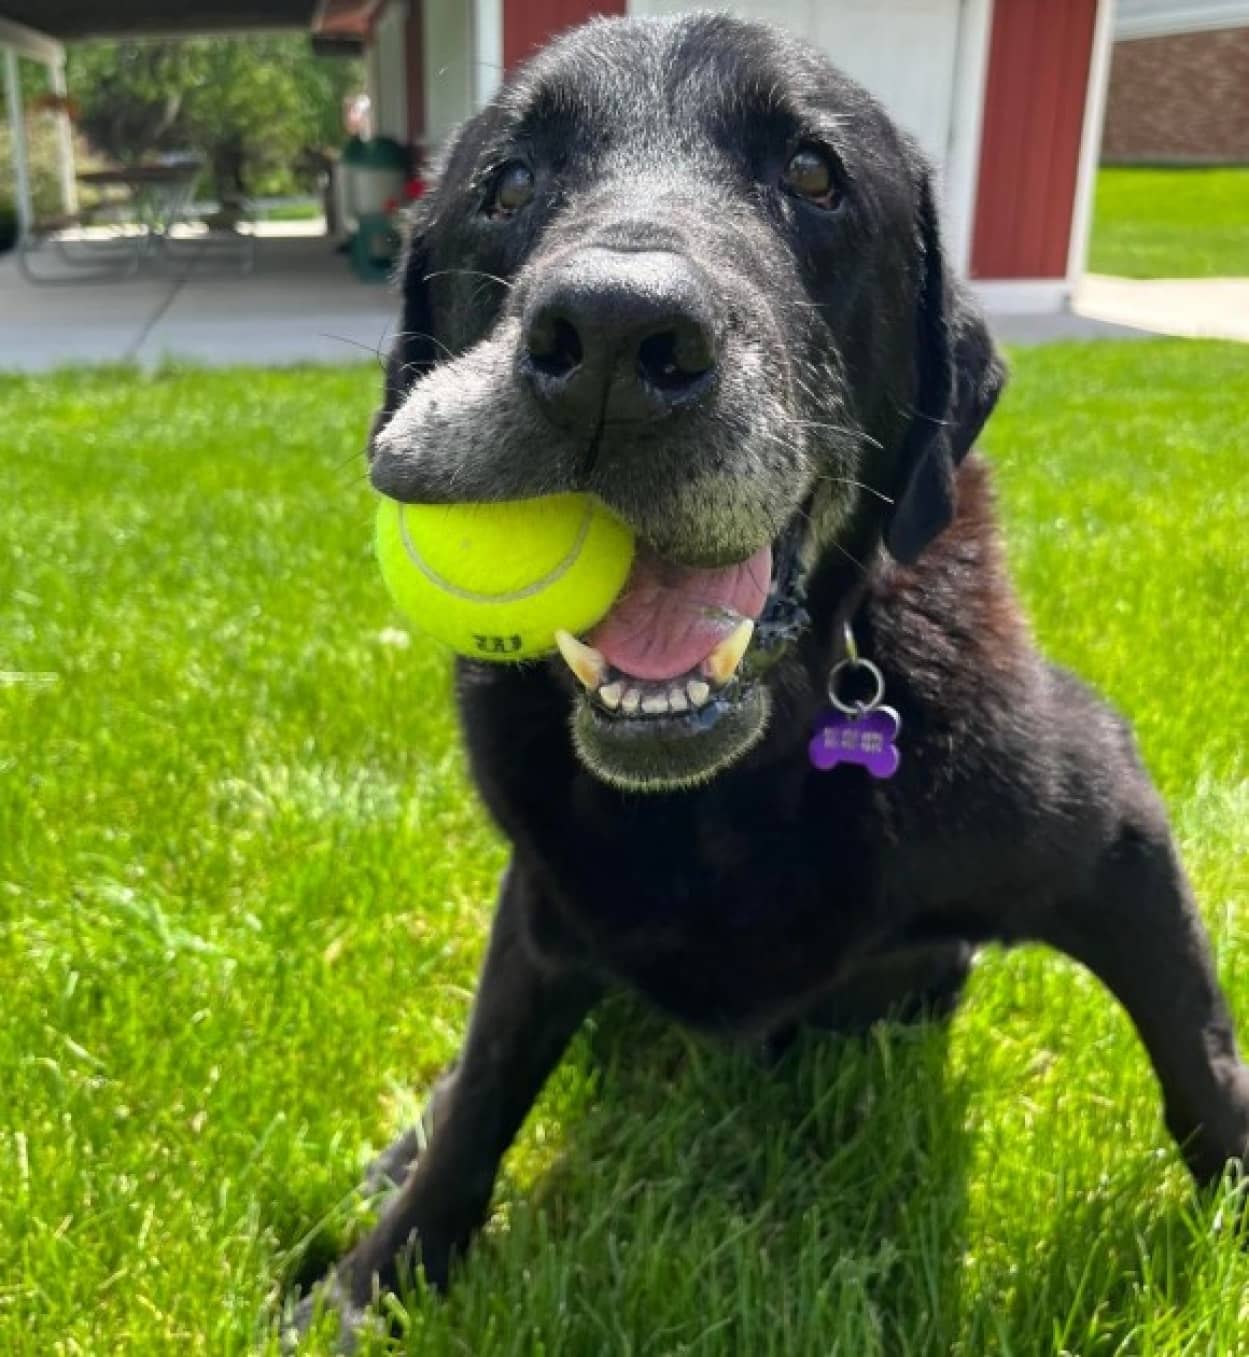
{"x":252,"y":107}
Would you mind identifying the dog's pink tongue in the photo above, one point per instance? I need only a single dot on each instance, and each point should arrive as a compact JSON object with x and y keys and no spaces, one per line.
{"x":671,"y":617}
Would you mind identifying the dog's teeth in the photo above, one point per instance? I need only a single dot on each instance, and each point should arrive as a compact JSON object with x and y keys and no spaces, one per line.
{"x":677,"y":701}
{"x":631,"y":701}
{"x":721,"y":664}
{"x":584,"y":661}
{"x":698,"y":691}
{"x":609,"y":695}
{"x":654,"y":704}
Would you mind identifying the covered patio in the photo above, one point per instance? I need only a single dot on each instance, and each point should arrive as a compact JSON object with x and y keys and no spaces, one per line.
{"x":37,"y":31}
{"x":299,"y":302}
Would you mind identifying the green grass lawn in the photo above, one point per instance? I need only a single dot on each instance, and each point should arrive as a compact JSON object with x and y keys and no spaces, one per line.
{"x":244,"y":888}
{"x":1171,"y":223}
{"x":308,"y":211}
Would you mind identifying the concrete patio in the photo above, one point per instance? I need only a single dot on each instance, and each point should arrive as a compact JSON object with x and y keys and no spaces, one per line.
{"x":300,"y":303}
{"x":1195,"y":308}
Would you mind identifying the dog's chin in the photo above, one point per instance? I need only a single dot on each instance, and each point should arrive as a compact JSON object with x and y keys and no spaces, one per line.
{"x":671,"y":753}
{"x":672,"y":735}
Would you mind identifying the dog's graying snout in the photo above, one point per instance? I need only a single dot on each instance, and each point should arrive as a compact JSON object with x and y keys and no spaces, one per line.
{"x":618,"y":336}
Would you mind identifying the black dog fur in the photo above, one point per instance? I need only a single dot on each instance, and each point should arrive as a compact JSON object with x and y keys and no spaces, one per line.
{"x":747,"y":892}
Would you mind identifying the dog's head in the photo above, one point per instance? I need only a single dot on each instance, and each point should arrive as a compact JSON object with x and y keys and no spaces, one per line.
{"x":690,"y":269}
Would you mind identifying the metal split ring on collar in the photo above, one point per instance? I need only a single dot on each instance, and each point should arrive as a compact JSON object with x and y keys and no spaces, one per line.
{"x":853,"y":663}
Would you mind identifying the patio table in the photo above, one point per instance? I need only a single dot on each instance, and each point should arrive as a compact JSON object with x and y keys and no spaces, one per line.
{"x":161,"y":194}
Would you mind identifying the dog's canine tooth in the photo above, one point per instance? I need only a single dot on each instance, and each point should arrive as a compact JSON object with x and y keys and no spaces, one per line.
{"x":609,"y":695}
{"x":677,"y":701}
{"x":631,"y":701}
{"x":655,"y":703}
{"x":721,"y":664}
{"x":584,"y":661}
{"x":698,"y":691}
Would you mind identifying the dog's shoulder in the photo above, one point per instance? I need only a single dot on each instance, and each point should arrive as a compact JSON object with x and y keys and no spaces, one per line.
{"x":998,"y":737}
{"x":951,"y":625}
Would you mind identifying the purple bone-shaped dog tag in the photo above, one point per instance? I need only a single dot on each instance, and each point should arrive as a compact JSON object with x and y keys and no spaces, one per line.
{"x":867,"y":740}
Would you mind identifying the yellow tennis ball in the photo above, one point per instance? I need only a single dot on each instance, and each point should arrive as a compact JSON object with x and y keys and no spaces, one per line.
{"x":496,"y":581}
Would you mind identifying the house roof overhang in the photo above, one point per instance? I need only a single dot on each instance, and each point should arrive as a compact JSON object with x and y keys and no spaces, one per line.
{"x":30,"y":23}
{"x":1162,"y":18}
{"x":67,"y":20}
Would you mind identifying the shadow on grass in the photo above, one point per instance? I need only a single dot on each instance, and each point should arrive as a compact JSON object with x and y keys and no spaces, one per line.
{"x":696,"y":1200}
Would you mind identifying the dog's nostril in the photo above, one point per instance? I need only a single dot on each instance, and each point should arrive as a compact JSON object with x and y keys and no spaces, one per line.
{"x":675,"y":358}
{"x":553,"y":345}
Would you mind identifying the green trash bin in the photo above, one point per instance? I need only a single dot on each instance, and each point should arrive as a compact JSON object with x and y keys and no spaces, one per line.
{"x":375,"y":173}
{"x":375,"y":247}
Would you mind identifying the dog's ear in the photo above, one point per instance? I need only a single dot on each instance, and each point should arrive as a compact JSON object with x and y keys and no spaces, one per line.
{"x":959,"y":376}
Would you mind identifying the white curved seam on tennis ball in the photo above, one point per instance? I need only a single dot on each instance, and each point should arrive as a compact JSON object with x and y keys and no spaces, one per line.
{"x":528,"y":591}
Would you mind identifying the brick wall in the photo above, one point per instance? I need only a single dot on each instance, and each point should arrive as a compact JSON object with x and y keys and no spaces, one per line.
{"x":1182,"y":98}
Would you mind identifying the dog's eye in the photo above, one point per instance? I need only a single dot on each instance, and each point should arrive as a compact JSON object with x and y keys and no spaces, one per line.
{"x":513,"y":188}
{"x":810,"y":174}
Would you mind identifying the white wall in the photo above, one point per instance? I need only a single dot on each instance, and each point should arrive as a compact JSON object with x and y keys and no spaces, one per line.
{"x":387,"y":72}
{"x":925,"y":61}
{"x":450,"y":82}
{"x":487,"y":48}
{"x":904,"y":51}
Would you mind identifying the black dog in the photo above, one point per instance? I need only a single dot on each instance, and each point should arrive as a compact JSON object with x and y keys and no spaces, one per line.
{"x":689,"y":269}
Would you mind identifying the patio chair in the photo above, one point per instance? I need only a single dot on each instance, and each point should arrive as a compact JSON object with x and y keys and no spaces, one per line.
{"x":83,"y":260}
{"x":216,"y":243}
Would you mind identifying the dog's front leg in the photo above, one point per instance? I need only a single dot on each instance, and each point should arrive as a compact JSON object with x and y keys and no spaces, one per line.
{"x":1137,"y":928}
{"x":523,"y":1017}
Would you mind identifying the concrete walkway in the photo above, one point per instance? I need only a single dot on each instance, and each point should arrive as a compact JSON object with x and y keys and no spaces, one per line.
{"x":300,"y":303}
{"x":1198,"y":308}
{"x":1051,"y":327}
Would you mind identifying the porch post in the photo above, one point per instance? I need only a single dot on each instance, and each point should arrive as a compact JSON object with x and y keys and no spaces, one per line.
{"x":64,"y":141}
{"x":17,"y":126}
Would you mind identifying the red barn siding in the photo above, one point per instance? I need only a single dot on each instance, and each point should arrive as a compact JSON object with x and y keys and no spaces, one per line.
{"x":1039,"y":55}
{"x":527,"y":24}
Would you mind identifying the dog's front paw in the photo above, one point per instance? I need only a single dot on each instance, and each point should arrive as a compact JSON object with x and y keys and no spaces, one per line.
{"x":351,"y":1322}
{"x":392,"y":1168}
{"x":1216,"y":1140}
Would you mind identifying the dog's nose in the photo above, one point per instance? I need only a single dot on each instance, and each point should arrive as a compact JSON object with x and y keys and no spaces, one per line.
{"x":619,"y":336}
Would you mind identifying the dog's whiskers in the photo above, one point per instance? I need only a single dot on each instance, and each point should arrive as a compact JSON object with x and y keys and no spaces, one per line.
{"x":470,"y":273}
{"x":423,"y":334}
{"x":841,"y":431}
{"x":346,"y":462}
{"x":912,"y":413}
{"x":860,"y":485}
{"x":849,"y":555}
{"x":358,"y":344}
{"x":859,"y":435}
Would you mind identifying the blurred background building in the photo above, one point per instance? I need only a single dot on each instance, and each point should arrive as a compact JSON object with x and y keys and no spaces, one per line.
{"x":174,"y":137}
{"x":1005,"y":95}
{"x":1179,"y":83}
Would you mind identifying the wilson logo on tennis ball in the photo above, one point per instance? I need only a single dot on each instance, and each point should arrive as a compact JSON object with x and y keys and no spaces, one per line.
{"x":499,"y":645}
{"x":497,"y":581}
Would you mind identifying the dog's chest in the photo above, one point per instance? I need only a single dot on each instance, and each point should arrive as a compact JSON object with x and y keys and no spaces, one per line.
{"x":725,"y":910}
